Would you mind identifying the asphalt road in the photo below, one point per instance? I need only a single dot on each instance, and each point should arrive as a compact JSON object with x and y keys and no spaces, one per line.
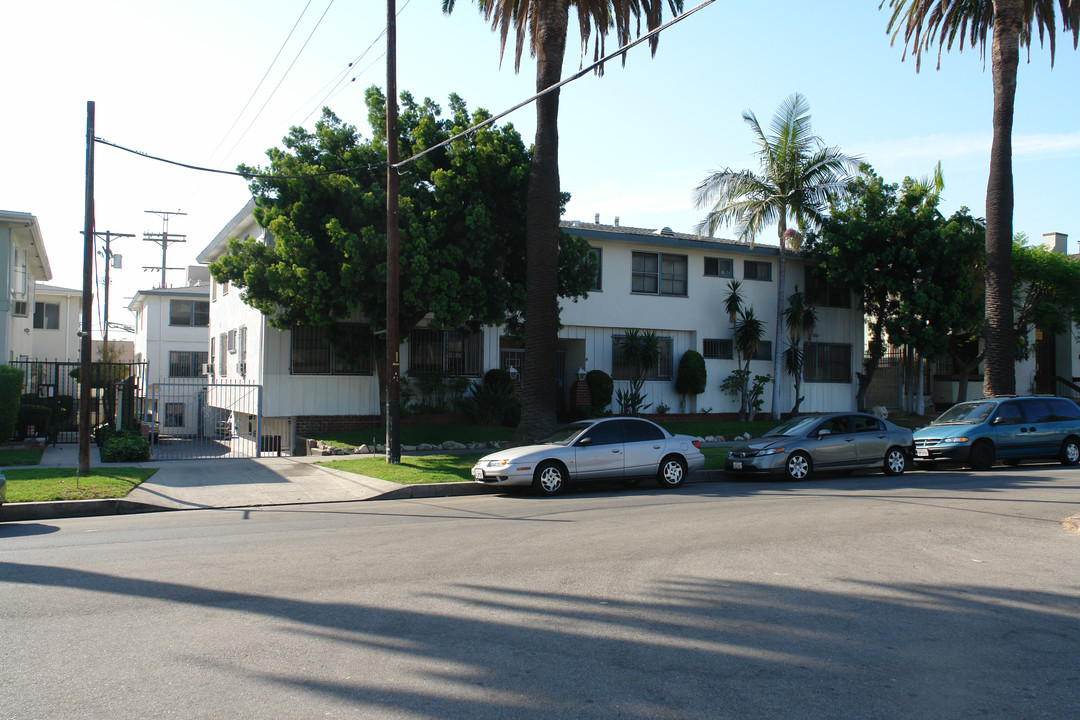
{"x":932,"y":595}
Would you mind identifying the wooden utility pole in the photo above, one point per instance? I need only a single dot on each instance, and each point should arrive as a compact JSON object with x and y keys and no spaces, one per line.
{"x":108,"y":236}
{"x":393,"y":339}
{"x":164,"y":239}
{"x":85,"y":385}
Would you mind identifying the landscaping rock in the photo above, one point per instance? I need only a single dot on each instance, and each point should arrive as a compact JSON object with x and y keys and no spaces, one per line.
{"x":425,"y":447}
{"x":452,"y":445}
{"x":408,"y":448}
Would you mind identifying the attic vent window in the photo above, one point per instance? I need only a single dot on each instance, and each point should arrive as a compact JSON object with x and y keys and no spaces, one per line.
{"x":666,"y":231}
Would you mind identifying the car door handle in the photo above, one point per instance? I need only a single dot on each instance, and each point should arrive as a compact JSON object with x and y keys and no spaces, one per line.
{"x":849,"y":439}
{"x":616,"y":451}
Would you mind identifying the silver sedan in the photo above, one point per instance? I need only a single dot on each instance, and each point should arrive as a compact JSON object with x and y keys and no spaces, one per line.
{"x":610,"y":448}
{"x":836,"y":441}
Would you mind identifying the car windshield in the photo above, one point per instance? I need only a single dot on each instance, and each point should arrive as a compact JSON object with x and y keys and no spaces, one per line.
{"x":966,"y":414}
{"x":791,"y":428}
{"x":565,"y":435}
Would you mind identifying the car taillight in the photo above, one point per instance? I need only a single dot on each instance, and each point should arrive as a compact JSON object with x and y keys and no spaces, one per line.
{"x":697,"y":444}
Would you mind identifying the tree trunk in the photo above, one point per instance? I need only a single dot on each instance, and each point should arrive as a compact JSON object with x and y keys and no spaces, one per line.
{"x":779,"y":320}
{"x":1000,"y":373}
{"x":541,"y":325}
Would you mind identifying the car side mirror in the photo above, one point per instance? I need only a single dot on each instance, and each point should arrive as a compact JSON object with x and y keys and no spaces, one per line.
{"x":584,"y":441}
{"x":823,"y":432}
{"x":998,"y":421}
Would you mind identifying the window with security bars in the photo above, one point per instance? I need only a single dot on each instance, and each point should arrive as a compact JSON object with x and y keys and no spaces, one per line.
{"x":622,"y":370}
{"x":822,"y":293}
{"x":174,"y":415}
{"x":827,"y":362}
{"x":446,"y":352}
{"x":717,"y":349}
{"x":312,"y":353}
{"x":186,"y":364}
{"x":764,"y":351}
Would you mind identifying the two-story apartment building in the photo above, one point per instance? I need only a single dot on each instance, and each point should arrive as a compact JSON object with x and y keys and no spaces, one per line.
{"x":24,"y":261}
{"x":671,"y":283}
{"x":172,"y":336}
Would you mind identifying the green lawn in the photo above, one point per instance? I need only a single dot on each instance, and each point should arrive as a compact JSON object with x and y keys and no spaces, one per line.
{"x":43,"y":484}
{"x":20,"y":457}
{"x":413,"y":470}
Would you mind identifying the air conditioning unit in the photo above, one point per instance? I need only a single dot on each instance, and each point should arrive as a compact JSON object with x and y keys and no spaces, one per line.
{"x":207,"y":369}
{"x":241,"y":369}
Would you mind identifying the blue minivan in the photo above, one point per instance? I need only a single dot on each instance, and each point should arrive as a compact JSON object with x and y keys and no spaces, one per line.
{"x":1007,"y":429}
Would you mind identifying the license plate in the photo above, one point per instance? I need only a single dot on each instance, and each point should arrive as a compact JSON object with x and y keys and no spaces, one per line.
{"x":736,"y":464}
{"x":922,"y":452}
{"x":478,"y":473}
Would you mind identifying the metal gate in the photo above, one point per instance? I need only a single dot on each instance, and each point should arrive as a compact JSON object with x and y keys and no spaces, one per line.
{"x":197,"y":419}
{"x":55,"y":385}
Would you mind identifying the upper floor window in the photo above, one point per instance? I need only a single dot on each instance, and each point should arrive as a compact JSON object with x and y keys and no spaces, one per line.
{"x":445,"y":352}
{"x":757,"y":270}
{"x":658,"y":274}
{"x":764,"y":351}
{"x":824,"y":294}
{"x":189,"y":313}
{"x":312,"y":353}
{"x":719,"y":267}
{"x":47,"y":316}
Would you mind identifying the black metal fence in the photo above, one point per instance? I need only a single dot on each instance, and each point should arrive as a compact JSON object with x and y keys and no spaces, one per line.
{"x":55,"y":385}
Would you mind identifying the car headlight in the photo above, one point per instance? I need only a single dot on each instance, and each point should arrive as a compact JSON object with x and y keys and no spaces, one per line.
{"x":770,"y":451}
{"x":955,"y":440}
{"x":497,"y":463}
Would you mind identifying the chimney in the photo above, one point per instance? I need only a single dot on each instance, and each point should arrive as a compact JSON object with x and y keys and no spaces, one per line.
{"x":1055,"y":241}
{"x":597,"y":221}
{"x":616,"y":221}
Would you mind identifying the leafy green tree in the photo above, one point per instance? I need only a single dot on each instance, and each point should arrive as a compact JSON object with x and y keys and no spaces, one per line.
{"x":1047,"y":291}
{"x":891,"y":246}
{"x":797,"y":179}
{"x":462,"y":214}
{"x":1011,"y":23}
{"x":800,"y":318}
{"x":541,"y":25}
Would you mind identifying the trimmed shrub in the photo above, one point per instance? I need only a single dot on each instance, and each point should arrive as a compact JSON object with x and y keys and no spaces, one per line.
{"x":126,"y":446}
{"x":103,"y":432}
{"x":11,"y":387}
{"x":691,"y":378}
{"x":492,"y":402}
{"x":601,"y":388}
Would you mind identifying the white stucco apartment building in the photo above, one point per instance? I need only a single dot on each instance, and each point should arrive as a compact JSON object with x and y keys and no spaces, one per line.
{"x":671,"y":283}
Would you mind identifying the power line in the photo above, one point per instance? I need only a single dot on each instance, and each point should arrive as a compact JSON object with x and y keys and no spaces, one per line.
{"x":287,"y":70}
{"x":576,"y":76}
{"x":265,"y":75}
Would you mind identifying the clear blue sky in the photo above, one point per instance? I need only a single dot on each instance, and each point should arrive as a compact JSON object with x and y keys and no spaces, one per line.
{"x":169,"y":78}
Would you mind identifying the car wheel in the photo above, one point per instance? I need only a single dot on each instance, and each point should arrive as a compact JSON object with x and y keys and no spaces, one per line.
{"x":895,"y":461}
{"x":982,"y":456}
{"x":672,"y":472}
{"x":1070,"y":451}
{"x":798,"y":466}
{"x":550,"y":478}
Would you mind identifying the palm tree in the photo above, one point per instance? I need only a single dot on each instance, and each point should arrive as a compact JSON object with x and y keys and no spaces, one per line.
{"x":799,"y":177}
{"x":800,"y":317}
{"x":1011,"y":23}
{"x":542,"y":25}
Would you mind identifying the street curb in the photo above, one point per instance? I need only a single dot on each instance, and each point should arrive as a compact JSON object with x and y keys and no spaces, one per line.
{"x":17,"y":512}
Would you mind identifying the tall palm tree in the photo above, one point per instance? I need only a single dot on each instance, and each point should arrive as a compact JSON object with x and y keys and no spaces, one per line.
{"x":798,"y":178}
{"x":1011,"y":23}
{"x":542,"y":25}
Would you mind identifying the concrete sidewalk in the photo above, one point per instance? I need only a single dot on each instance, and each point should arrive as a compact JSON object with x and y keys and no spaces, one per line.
{"x":227,"y":483}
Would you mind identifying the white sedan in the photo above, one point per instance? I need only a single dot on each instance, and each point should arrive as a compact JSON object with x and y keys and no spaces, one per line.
{"x":625,"y":448}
